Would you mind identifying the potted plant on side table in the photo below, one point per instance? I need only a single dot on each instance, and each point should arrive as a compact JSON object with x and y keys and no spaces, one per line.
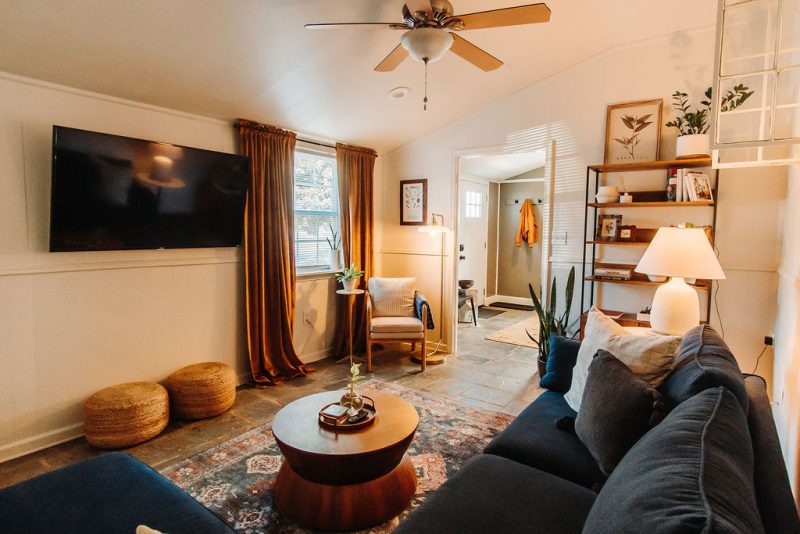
{"x":549,"y":321}
{"x":692,"y":124}
{"x":348,"y":277}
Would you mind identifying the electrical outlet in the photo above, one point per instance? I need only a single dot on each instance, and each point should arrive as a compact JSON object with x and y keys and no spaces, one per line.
{"x":560,"y":238}
{"x":769,"y":340}
{"x":307,"y":317}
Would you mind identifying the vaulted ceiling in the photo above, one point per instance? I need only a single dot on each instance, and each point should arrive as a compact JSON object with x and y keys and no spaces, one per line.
{"x":253,"y":58}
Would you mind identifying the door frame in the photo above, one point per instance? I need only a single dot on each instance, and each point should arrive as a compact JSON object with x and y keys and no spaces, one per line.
{"x":451,"y":296}
{"x":485,"y":271}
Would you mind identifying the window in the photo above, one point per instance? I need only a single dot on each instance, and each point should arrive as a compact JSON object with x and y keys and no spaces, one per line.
{"x":316,"y":209}
{"x":474,"y":202}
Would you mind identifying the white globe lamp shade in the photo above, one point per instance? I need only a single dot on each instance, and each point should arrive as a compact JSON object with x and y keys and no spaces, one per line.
{"x":427,"y":44}
{"x":679,"y":253}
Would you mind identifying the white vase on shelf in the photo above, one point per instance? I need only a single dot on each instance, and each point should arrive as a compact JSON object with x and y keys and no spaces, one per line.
{"x":687,"y":146}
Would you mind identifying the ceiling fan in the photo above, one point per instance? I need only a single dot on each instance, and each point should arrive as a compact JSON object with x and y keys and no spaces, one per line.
{"x":430,"y":32}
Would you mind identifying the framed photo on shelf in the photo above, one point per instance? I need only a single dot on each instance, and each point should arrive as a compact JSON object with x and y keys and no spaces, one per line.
{"x":627,"y":233}
{"x":702,"y":188}
{"x":633,"y":131}
{"x":414,"y":202}
{"x":608,"y":227}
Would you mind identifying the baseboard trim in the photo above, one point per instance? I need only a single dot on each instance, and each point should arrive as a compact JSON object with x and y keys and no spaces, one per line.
{"x":522,"y":301}
{"x":41,"y":441}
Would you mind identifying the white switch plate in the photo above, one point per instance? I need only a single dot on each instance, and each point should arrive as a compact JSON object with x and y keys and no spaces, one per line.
{"x":560,"y":238}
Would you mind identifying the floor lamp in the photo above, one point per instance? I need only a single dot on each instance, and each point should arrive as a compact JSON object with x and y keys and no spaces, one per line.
{"x":437,"y":227}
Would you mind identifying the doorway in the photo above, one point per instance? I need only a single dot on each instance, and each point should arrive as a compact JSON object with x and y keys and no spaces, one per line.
{"x":499,"y":194}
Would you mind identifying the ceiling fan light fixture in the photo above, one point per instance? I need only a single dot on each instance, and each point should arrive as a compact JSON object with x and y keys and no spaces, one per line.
{"x":427,"y":44}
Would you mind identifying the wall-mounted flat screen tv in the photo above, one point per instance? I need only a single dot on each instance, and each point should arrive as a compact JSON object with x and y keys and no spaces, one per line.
{"x":117,"y":193}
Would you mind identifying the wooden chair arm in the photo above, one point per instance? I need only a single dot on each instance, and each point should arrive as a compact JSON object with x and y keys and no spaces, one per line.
{"x":368,"y":304}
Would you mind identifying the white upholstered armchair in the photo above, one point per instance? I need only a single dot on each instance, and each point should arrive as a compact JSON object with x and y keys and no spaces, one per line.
{"x":396,"y":312}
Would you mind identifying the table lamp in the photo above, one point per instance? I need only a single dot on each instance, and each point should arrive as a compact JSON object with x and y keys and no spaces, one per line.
{"x":679,"y":253}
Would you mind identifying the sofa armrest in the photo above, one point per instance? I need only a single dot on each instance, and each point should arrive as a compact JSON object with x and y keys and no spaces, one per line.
{"x":773,"y":493}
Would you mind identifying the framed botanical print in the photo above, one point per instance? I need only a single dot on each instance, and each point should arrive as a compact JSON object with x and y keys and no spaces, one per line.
{"x":633,"y":132}
{"x":414,"y":202}
{"x":608,"y":227}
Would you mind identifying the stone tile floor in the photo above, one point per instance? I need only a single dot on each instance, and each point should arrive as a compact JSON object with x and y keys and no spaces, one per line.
{"x":486,"y":374}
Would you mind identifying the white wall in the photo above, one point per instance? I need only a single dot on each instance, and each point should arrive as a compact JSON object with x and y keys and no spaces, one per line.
{"x":787,"y":331}
{"x":73,"y":323}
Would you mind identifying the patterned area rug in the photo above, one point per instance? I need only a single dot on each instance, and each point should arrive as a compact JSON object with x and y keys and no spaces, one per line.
{"x":516,"y":333}
{"x":234,"y":479}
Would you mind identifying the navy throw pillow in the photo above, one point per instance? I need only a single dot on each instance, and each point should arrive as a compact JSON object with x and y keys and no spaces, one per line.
{"x":693,"y":472}
{"x":703,"y":361}
{"x":563,"y":355}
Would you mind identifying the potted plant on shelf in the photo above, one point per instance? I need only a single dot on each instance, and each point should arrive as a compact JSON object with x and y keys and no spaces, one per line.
{"x":693,"y":124}
{"x":549,"y":321}
{"x":348,"y":277}
{"x":335,"y":242}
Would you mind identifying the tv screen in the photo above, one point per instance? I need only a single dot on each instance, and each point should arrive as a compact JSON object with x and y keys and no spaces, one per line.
{"x":115,"y":193}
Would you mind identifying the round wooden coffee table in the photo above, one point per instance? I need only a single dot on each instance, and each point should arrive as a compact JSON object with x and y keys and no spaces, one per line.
{"x":344,"y":480}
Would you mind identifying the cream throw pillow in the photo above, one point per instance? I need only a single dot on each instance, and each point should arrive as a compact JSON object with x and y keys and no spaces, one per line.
{"x":649,"y":356}
{"x":392,"y":297}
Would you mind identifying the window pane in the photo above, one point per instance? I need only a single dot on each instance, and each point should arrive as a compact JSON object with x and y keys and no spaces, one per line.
{"x":316,"y":215}
{"x":748,"y":37}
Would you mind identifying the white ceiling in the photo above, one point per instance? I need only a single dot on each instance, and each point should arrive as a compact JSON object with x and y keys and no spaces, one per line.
{"x":253,"y":58}
{"x":502,"y":166}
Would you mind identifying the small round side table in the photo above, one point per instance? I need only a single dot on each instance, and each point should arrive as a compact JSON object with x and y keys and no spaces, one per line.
{"x":351,"y":298}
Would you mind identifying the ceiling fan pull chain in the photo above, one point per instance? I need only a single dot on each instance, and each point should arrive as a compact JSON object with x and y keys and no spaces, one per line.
{"x":425,"y":100}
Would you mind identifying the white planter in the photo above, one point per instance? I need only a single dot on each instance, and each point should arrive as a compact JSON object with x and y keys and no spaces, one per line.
{"x":349,"y":285}
{"x":687,"y":146}
{"x":333,"y":259}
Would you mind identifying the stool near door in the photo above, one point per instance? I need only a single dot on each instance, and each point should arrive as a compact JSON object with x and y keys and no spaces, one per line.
{"x":396,"y":312}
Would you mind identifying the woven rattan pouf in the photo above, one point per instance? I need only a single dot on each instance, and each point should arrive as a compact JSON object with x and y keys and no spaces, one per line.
{"x":201,"y":390}
{"x":126,"y":414}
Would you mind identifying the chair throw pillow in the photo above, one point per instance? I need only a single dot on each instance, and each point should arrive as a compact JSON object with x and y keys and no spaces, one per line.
{"x":562,"y":358}
{"x":617,"y":409}
{"x":693,"y":472}
{"x":648,"y":356}
{"x":392,"y":297}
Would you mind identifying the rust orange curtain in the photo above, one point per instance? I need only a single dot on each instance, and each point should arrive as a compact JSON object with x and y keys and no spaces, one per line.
{"x":355,"y":167}
{"x":269,"y":252}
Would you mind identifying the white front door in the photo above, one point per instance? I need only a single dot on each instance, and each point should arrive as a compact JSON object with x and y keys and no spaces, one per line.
{"x":473,"y":229}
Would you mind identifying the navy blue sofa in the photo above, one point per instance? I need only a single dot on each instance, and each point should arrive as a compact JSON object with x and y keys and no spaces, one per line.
{"x":536,"y":478}
{"x":111,"y":493}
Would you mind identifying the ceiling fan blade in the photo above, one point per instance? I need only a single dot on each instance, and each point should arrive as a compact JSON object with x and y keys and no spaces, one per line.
{"x":419,"y":5}
{"x":365,"y":25}
{"x":394,"y":58}
{"x":511,"y":16}
{"x":477,"y":56}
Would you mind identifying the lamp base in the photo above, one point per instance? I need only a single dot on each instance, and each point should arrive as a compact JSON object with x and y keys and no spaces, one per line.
{"x":676,"y":308}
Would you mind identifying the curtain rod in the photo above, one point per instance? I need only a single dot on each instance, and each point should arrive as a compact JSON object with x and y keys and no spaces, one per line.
{"x":310,"y":142}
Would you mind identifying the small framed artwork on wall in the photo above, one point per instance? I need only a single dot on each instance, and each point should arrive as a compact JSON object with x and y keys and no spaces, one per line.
{"x":414,"y":202}
{"x":633,"y":132}
{"x":608,"y":227}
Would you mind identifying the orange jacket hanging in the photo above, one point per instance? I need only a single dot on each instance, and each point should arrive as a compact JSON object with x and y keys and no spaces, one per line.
{"x":527,"y":224}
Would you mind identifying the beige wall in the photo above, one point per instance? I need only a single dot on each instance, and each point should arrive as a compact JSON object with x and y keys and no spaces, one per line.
{"x":518,"y":266}
{"x":73,"y":323}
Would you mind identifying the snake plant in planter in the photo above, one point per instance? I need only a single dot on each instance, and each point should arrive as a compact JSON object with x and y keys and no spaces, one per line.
{"x":549,"y":321}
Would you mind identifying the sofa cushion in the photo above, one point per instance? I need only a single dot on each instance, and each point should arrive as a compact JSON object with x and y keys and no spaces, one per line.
{"x":111,"y":493}
{"x":392,"y":297}
{"x":617,"y":409}
{"x":649,"y":356}
{"x":691,"y":473}
{"x":493,"y":494}
{"x":703,"y":361}
{"x":533,"y":439}
{"x":395,"y":324}
{"x":563,"y":355}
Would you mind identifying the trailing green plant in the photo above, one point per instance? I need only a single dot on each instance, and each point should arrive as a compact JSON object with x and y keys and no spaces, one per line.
{"x":348,"y":273}
{"x":335,"y":241}
{"x":549,"y":321}
{"x":690,"y":121}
